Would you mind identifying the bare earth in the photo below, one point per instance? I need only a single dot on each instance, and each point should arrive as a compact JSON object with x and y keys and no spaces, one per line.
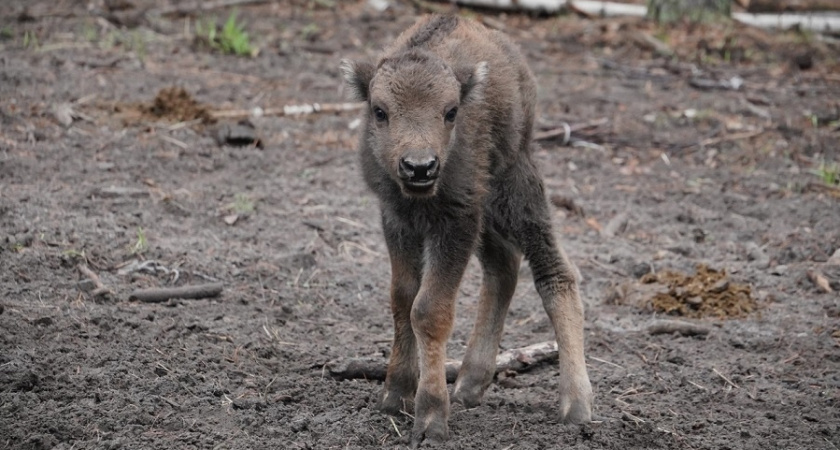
{"x":702,"y":174}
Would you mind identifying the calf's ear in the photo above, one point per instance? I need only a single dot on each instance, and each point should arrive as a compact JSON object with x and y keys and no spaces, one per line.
{"x":357,"y":76}
{"x":472,"y":79}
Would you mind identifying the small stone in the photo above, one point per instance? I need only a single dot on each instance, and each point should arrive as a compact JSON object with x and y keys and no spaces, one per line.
{"x":779,"y":270}
{"x":238,"y":135}
{"x":299,"y":423}
{"x":43,"y":321}
{"x":757,"y":256}
{"x":719,"y":287}
{"x":641,"y":269}
{"x":695,"y":301}
{"x":616,"y":225}
{"x":379,"y":5}
{"x":63,"y":114}
{"x":86,"y":285}
{"x":834,"y":260}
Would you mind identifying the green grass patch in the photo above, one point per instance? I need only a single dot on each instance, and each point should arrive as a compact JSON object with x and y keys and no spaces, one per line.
{"x":829,"y":173}
{"x":140,"y":244}
{"x":232,"y":38}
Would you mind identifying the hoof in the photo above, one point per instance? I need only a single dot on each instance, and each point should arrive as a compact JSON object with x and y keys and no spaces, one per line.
{"x":435,"y":432}
{"x":469,"y":397}
{"x":394,"y":404}
{"x":576,"y":402}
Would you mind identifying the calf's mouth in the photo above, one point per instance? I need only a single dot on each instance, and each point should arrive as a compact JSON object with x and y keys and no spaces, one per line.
{"x":419,"y":174}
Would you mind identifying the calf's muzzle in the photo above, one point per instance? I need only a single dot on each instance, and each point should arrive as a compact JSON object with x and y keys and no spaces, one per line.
{"x":419,"y":172}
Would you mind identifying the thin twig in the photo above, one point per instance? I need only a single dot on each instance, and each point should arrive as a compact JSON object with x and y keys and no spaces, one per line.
{"x":606,"y":362}
{"x":395,"y":426}
{"x":635,"y":419}
{"x":174,"y":141}
{"x":101,"y":289}
{"x":697,"y":385}
{"x":725,"y":378}
{"x":731,"y":137}
{"x":566,"y":129}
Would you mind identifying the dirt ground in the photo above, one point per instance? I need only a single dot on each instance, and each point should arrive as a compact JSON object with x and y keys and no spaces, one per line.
{"x":718,"y":155}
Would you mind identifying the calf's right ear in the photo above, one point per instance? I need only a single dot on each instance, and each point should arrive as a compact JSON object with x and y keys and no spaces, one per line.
{"x":357,"y":76}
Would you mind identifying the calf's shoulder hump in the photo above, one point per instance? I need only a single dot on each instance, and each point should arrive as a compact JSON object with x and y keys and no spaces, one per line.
{"x":456,"y":40}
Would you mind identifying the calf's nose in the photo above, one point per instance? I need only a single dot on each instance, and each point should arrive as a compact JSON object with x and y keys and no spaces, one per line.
{"x":414,"y":168}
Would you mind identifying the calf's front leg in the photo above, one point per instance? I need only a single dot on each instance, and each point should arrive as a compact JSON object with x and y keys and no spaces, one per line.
{"x":432,"y":315}
{"x":406,"y":252}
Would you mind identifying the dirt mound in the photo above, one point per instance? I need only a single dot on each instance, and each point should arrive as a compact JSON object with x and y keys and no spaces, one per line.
{"x":176,"y":104}
{"x":708,"y":292}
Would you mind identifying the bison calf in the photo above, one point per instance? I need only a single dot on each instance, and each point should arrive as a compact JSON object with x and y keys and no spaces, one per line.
{"x":446,"y":147}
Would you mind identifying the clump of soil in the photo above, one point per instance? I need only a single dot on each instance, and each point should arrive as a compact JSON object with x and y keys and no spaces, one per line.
{"x":176,"y":104}
{"x":708,"y":292}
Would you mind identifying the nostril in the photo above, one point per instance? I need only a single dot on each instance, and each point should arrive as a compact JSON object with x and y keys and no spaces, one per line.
{"x":406,"y":168}
{"x":432,"y":169}
{"x":419,"y":169}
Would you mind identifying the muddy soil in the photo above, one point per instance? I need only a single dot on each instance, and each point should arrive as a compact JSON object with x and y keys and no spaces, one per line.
{"x":720,"y":154}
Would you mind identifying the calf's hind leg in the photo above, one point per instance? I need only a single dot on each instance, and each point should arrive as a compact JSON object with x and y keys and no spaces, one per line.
{"x":500,"y":265}
{"x":556,"y":283}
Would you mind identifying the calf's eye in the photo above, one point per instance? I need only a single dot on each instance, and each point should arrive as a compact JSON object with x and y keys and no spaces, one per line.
{"x":450,"y":115}
{"x":380,"y":115}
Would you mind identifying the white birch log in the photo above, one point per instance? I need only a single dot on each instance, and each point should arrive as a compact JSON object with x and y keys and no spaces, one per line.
{"x":817,"y":22}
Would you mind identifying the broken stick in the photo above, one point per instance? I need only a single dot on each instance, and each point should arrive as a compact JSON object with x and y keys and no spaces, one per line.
{"x":288,"y":110}
{"x":99,"y":288}
{"x":517,"y":359}
{"x":158,"y":295}
{"x":566,"y":130}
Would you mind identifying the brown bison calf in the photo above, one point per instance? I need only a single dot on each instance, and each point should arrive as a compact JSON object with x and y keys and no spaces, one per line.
{"x":446,"y":147}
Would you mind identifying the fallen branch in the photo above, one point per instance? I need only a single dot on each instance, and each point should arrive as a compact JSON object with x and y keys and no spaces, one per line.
{"x":586,"y":7}
{"x":811,"y":22}
{"x":202,"y":5}
{"x":158,"y":295}
{"x":755,"y":6}
{"x":99,"y":288}
{"x":518,"y":360}
{"x":822,"y":188}
{"x":677,"y":326}
{"x":731,"y":137}
{"x":288,"y":110}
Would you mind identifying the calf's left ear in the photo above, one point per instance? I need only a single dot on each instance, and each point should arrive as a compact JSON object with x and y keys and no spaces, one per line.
{"x":472,"y":79}
{"x":357,"y":76}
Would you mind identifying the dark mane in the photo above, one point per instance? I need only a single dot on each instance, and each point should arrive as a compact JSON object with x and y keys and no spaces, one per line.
{"x":436,"y":29}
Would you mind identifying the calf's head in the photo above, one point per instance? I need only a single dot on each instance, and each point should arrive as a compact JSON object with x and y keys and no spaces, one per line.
{"x":413,"y":105}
